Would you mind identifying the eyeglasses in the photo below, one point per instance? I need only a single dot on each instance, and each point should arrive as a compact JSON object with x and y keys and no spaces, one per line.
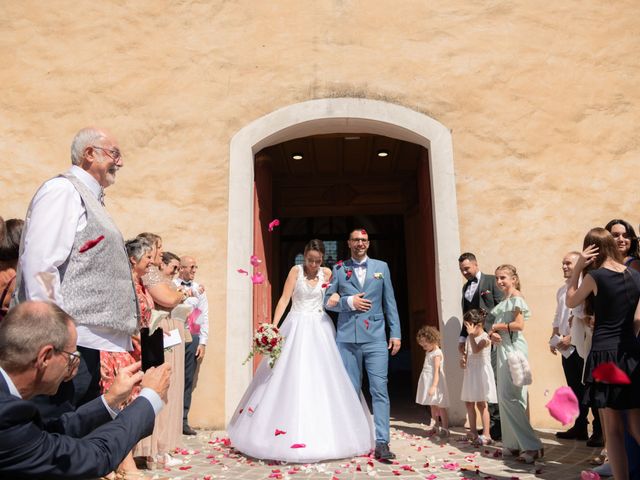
{"x":359,"y":240}
{"x":74,"y":358}
{"x":113,"y":153}
{"x":192,"y":267}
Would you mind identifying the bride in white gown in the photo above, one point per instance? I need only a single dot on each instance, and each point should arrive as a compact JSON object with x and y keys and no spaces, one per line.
{"x":308,"y":394}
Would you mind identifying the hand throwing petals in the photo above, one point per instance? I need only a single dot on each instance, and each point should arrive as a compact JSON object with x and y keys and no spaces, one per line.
{"x":273,"y":223}
{"x":609,"y":373}
{"x":563,"y":406}
{"x":89,"y":244}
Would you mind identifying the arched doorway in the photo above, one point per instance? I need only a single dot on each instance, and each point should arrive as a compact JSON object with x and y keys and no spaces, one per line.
{"x":342,"y":116}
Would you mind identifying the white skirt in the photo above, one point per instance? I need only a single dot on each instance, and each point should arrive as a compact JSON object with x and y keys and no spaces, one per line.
{"x":308,"y":395}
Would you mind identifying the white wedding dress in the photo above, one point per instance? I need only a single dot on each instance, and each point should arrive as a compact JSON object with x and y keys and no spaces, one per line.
{"x":307,"y":394}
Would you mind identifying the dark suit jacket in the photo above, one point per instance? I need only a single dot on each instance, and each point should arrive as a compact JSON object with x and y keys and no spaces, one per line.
{"x":489,"y":296}
{"x":81,"y":444}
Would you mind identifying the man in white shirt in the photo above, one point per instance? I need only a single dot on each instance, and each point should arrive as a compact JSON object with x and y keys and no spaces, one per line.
{"x":73,"y":254}
{"x":572,"y":363}
{"x":198,"y":325}
{"x":37,"y":353}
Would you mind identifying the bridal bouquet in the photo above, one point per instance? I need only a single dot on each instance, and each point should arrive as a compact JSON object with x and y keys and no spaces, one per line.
{"x":267,"y":341}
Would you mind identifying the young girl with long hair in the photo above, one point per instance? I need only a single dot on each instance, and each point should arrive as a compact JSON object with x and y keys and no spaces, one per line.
{"x":518,"y":437}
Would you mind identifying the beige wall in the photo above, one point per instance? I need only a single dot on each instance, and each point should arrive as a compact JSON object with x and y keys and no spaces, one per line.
{"x":543,"y":101}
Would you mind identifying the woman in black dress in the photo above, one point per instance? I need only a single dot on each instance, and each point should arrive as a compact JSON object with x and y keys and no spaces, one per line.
{"x":614,"y":291}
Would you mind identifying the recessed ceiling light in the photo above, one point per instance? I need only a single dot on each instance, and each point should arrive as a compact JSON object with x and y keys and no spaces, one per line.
{"x":383,"y":153}
{"x":297,"y":156}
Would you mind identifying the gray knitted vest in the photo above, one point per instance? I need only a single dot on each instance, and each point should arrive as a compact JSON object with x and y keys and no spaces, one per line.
{"x":96,"y":285}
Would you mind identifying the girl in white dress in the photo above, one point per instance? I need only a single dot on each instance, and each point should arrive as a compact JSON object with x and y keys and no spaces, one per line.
{"x":432,"y":386}
{"x":305,"y":408}
{"x":478,"y":384}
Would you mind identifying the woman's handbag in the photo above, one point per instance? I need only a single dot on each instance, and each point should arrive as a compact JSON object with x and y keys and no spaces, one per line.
{"x":519,"y":367}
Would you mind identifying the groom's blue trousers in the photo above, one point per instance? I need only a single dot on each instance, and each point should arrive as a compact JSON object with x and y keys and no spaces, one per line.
{"x":375,"y":356}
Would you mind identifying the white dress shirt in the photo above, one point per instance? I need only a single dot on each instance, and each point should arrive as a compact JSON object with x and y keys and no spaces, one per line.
{"x":57,"y":213}
{"x":471,"y":290}
{"x":361,"y":274}
{"x":200,"y":302}
{"x":563,"y":313}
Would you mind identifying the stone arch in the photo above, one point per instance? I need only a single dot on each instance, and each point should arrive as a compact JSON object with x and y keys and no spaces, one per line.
{"x":334,"y":115}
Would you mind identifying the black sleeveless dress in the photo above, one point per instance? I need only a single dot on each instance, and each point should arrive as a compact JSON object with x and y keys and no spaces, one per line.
{"x":613,"y":339}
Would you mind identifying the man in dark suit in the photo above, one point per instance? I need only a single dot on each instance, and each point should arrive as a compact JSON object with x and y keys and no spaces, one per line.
{"x":37,"y":353}
{"x":479,"y":292}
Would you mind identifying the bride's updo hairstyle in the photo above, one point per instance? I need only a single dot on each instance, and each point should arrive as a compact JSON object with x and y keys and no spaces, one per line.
{"x":316,"y":245}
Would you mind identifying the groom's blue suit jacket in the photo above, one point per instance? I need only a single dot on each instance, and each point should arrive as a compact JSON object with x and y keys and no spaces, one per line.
{"x":363,"y":327}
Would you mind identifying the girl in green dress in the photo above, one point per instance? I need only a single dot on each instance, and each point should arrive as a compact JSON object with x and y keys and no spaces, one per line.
{"x":509,"y":316}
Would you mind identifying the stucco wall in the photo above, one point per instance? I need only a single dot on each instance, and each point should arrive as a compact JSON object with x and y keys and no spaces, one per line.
{"x":543,"y":101}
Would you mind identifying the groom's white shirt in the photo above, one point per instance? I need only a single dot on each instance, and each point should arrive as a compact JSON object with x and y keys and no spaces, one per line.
{"x":361,"y":275}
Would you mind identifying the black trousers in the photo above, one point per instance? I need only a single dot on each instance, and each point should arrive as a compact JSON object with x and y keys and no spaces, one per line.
{"x":190,"y":364}
{"x":572,"y":367}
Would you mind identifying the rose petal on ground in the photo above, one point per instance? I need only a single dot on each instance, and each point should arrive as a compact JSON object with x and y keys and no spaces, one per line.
{"x":563,"y":405}
{"x":610,"y":373}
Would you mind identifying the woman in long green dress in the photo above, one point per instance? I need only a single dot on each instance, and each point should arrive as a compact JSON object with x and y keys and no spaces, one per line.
{"x":509,"y":316}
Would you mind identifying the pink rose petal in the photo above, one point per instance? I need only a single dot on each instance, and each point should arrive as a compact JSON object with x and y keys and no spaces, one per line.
{"x":609,"y":373}
{"x":242,"y":271}
{"x":279,"y":432}
{"x":273,"y":223}
{"x":563,"y":405}
{"x":255,"y":261}
{"x":257,"y":278}
{"x":298,"y":445}
{"x":589,"y":475}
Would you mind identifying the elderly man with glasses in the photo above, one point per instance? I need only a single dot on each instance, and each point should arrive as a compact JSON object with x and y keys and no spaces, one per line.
{"x":38,"y":353}
{"x":73,"y":254}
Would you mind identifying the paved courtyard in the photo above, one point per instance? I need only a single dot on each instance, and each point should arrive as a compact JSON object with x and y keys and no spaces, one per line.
{"x":209,"y":456}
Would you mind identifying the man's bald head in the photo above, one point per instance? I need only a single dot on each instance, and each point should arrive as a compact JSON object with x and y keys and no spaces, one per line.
{"x":188,"y":268}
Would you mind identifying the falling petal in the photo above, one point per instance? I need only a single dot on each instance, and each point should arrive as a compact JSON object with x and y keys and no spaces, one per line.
{"x":257,"y":278}
{"x":349,"y":273}
{"x":273,"y":223}
{"x":242,"y":271}
{"x":609,"y":373}
{"x":89,"y":244}
{"x":255,"y":261}
{"x":325,"y":285}
{"x":298,"y":445}
{"x":339,"y":263}
{"x":563,"y":405}
{"x":279,"y":432}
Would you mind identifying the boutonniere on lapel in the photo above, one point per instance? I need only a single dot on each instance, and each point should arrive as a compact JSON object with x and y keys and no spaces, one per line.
{"x":485,"y":293}
{"x":378,"y":276}
{"x":348,"y":272}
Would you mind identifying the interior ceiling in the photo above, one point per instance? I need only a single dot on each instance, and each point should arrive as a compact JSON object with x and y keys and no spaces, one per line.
{"x":338,"y":156}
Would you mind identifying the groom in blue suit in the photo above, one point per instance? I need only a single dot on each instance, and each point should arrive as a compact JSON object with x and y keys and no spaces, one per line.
{"x":366,"y":299}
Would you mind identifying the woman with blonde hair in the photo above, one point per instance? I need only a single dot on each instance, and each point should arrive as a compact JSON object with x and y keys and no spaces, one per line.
{"x":510,"y":315}
{"x":613,"y":291}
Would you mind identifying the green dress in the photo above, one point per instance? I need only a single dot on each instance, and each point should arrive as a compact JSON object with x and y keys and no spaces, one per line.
{"x":517,"y":433}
